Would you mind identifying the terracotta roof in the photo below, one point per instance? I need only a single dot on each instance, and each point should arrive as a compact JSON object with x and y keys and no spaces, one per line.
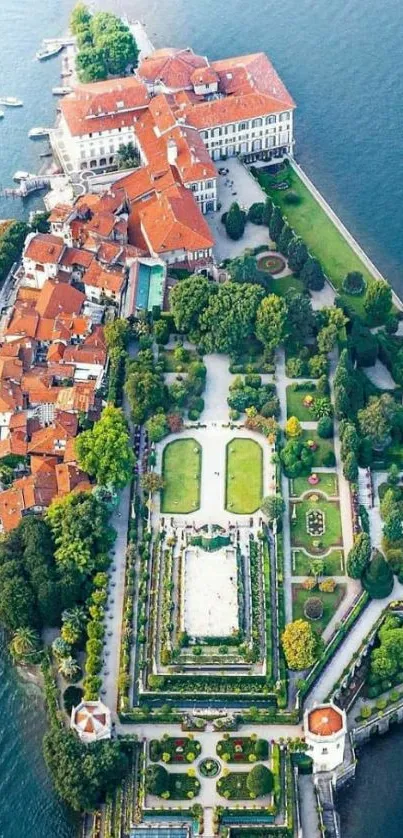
{"x":58,"y":298}
{"x":204,"y":75}
{"x":16,"y":444}
{"x":70,"y":455}
{"x":11,"y":368}
{"x":44,"y":248}
{"x":104,"y":105}
{"x":173,"y":67}
{"x":68,"y":421}
{"x":11,"y":397}
{"x":80,"y":397}
{"x":49,"y":441}
{"x":98,"y":277}
{"x":19,"y":421}
{"x":55,"y":352}
{"x":25,"y":293}
{"x":37,"y":490}
{"x":70,"y":477}
{"x":325,"y":721}
{"x":85,"y":355}
{"x":76,"y":256}
{"x":60,"y":213}
{"x":174,"y":222}
{"x":248,"y":73}
{"x":231,"y":109}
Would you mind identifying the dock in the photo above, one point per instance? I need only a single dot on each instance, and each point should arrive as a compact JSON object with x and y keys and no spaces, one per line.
{"x":27,"y":186}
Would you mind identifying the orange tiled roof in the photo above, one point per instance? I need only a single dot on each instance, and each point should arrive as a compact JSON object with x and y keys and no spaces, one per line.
{"x":44,"y":248}
{"x":60,"y":213}
{"x":173,"y":67}
{"x":98,"y":277}
{"x":104,"y":105}
{"x":231,"y":109}
{"x":49,"y":441}
{"x":11,"y":397}
{"x":85,"y":355}
{"x":16,"y":444}
{"x":174,"y":222}
{"x":252,"y":73}
{"x":69,"y":478}
{"x":80,"y":397}
{"x":76,"y":256}
{"x":325,"y":721}
{"x":58,"y":298}
{"x":11,"y":368}
{"x":204,"y":75}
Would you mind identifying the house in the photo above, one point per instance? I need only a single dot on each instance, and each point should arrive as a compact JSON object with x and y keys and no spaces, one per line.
{"x":41,"y":258}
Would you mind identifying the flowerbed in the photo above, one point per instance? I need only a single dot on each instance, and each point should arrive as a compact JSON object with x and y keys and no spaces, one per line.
{"x":174,"y":749}
{"x":271,"y":264}
{"x":242,"y":749}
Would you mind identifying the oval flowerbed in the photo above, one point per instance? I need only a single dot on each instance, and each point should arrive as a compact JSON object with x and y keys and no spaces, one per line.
{"x":271,"y":264}
{"x":209,"y":767}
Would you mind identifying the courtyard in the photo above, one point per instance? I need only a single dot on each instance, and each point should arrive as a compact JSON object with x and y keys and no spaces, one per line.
{"x":215,"y":614}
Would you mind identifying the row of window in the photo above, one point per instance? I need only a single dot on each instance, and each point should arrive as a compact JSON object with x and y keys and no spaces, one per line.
{"x":244,"y":126}
{"x":196,"y":187}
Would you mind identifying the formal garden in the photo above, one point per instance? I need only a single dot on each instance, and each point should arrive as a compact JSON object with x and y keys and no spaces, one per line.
{"x":169,"y":785}
{"x":174,"y":749}
{"x":244,"y":476}
{"x":181,"y":471}
{"x":315,"y":523}
{"x":243,"y":748}
{"x":315,"y":605}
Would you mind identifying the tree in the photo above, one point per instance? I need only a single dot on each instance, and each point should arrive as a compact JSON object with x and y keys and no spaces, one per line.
{"x":285,"y":238}
{"x":273,"y":507}
{"x":354,"y":283}
{"x":325,"y":427}
{"x":161,"y":331}
{"x":69,"y":668}
{"x":300,"y":644}
{"x":297,"y":255}
{"x":377,"y":418}
{"x":255,"y":213}
{"x":127,"y":156}
{"x":229,"y":320}
{"x":363,"y":344}
{"x":244,"y":269}
{"x":79,"y":523}
{"x":157,"y":427}
{"x":267,"y":212}
{"x":312,"y":274}
{"x":271,"y":321}
{"x":378,"y":301}
{"x":300,"y":318}
{"x":327,"y":338}
{"x":359,"y":556}
{"x":377,"y":578}
{"x":296,"y":458}
{"x":317,"y":568}
{"x":152,"y":482}
{"x":393,"y":475}
{"x":393,"y":530}
{"x":106,"y":45}
{"x":189,"y":299}
{"x":80,"y":18}
{"x":389,"y":506}
{"x":276,"y":224}
{"x":259,"y":781}
{"x":350,"y":467}
{"x":105,"y":452}
{"x":235,"y":222}
{"x":24,"y":644}
{"x":350,"y":441}
{"x":293,"y":427}
{"x":145,"y":391}
{"x":117,"y":333}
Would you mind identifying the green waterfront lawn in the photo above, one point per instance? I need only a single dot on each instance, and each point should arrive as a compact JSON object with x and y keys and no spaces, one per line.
{"x":310,"y":221}
{"x":280,"y":285}
{"x":331,"y":602}
{"x":327,"y":483}
{"x":295,"y":399}
{"x":181,"y":468}
{"x":244,"y":476}
{"x":334,"y":564}
{"x":317,"y":544}
{"x":324,"y":446}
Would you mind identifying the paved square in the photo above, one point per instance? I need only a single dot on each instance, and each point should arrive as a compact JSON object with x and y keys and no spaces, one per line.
{"x":210,"y":593}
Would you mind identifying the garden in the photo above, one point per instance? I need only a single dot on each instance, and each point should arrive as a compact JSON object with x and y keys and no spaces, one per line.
{"x":181,"y":470}
{"x":324,"y":482}
{"x":244,"y":476}
{"x":322,"y":449}
{"x":300,"y":399}
{"x":318,"y":607}
{"x":243,"y":749}
{"x":246,"y":785}
{"x":272,"y":263}
{"x":171,"y":786}
{"x":303,"y":565}
{"x":328,"y":535}
{"x":174,"y":749}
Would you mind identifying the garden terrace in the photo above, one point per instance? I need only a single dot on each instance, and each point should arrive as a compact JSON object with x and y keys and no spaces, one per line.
{"x":333,"y":563}
{"x":327,"y":484}
{"x":319,"y":447}
{"x":330,"y":601}
{"x":171,"y":749}
{"x":244,"y":476}
{"x":181,"y":468}
{"x":243,"y":749}
{"x":215,"y":612}
{"x":300,"y":398}
{"x":300,"y":535}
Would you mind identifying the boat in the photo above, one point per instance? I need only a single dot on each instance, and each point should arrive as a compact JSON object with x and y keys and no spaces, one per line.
{"x":61,"y":91}
{"x":1,"y":114}
{"x":49,"y":51}
{"x":38,"y":133}
{"x":11,"y":102}
{"x":22,"y":176}
{"x":47,"y":153}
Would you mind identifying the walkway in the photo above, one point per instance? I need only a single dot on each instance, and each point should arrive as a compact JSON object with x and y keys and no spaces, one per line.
{"x":282,"y":383}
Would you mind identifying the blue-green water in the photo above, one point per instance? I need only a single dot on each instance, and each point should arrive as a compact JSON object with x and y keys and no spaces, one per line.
{"x":342,"y":62}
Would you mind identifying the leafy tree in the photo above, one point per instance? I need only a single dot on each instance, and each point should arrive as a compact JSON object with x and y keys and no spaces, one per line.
{"x":145,"y":391}
{"x":105,"y":451}
{"x":17,"y":603}
{"x":71,"y":698}
{"x":90,"y":65}
{"x":79,"y":523}
{"x":189,"y":299}
{"x":157,"y":427}
{"x":363,"y":344}
{"x":378,"y":301}
{"x":350,"y":441}
{"x":296,"y":458}
{"x":273,"y":507}
{"x":312,"y":274}
{"x":297,"y":255}
{"x":389,"y":504}
{"x":377,"y":418}
{"x":393,"y":530}
{"x":327,"y":338}
{"x":354,"y":283}
{"x":325,"y":427}
{"x":350,"y":467}
{"x":255,"y":213}
{"x":271,"y":321}
{"x":276,"y":224}
{"x":229,"y":320}
{"x":127,"y":156}
{"x":301,"y":645}
{"x":161,"y":332}
{"x":152,"y":482}
{"x":267,"y":212}
{"x":235,"y":222}
{"x":300,"y":318}
{"x":359,"y":556}
{"x":377,"y":578}
{"x":293,"y":427}
{"x":24,"y":644}
{"x":285,"y":238}
{"x":69,"y":668}
{"x":259,"y":781}
{"x":117,"y":333}
{"x":393,"y":475}
{"x":244,"y":269}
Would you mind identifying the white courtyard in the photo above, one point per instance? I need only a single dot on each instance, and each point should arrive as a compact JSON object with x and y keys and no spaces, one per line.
{"x":210,"y":593}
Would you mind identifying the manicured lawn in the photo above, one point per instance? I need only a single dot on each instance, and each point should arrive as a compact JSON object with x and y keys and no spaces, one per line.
{"x":324,"y":445}
{"x":315,"y":544}
{"x":323,"y":239}
{"x":244,"y":477}
{"x":331,"y":601}
{"x":181,"y":467}
{"x":280,"y":285}
{"x":327,"y":483}
{"x":295,"y":405}
{"x":334,"y":564}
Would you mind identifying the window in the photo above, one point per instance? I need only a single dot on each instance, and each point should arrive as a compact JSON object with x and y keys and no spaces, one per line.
{"x":209,"y":184}
{"x":284,"y":116}
{"x":270,"y":120}
{"x":256,"y":123}
{"x":243,"y":126}
{"x":325,"y":751}
{"x":193,"y":187}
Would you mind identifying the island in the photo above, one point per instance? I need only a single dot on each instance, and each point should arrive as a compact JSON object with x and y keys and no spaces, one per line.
{"x":201,"y":455}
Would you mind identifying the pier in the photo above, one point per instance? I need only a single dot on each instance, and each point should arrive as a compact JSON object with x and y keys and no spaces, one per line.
{"x":27,"y":186}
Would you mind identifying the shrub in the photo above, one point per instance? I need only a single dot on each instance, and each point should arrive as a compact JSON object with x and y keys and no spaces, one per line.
{"x":71,"y":697}
{"x":235,"y":222}
{"x":313,"y":608}
{"x":327,"y":586}
{"x":354,"y":284}
{"x":255,"y":213}
{"x":365,"y":711}
{"x":157,"y":780}
{"x":377,"y":578}
{"x":325,"y":427}
{"x":309,"y":584}
{"x":329,"y":459}
{"x":292,"y":197}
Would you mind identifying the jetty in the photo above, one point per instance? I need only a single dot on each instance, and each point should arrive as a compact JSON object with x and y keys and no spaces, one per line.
{"x":27,"y":186}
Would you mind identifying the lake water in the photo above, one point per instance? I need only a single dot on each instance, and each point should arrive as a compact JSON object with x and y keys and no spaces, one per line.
{"x":342,"y":63}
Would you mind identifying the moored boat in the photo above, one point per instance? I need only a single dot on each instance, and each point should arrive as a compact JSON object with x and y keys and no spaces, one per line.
{"x":38,"y":133}
{"x":49,"y":52}
{"x":11,"y":102}
{"x":61,"y":91}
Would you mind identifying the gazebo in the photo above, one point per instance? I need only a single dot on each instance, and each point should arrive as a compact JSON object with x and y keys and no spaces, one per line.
{"x":92,"y":721}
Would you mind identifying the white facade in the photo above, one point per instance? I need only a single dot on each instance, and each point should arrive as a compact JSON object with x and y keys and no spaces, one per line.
{"x":205,"y":193}
{"x":325,"y":730}
{"x":95,"y":150}
{"x":268,"y":134}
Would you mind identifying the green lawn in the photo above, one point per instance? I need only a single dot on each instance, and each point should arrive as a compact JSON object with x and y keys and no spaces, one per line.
{"x":170,"y":365}
{"x":181,"y":467}
{"x":324,"y":445}
{"x":327,"y":483}
{"x":310,"y":221}
{"x":280,"y":285}
{"x":331,"y":601}
{"x":295,"y":406}
{"x":334,"y":564}
{"x":244,"y":477}
{"x":316,"y":544}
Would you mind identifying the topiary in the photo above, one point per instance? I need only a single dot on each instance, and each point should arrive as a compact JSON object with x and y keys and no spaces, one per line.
{"x":354,"y":284}
{"x":72,"y":697}
{"x":325,"y":427}
{"x":259,"y":781}
{"x":313,"y":608}
{"x":329,"y":459}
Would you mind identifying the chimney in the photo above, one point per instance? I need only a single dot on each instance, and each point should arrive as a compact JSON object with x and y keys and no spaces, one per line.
{"x":172,"y":152}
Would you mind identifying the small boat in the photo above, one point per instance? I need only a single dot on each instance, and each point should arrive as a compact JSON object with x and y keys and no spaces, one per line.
{"x":19,"y":176}
{"x":38,"y":133}
{"x":49,"y":52}
{"x":11,"y":102}
{"x":46,"y":153}
{"x":1,"y":114}
{"x":61,"y":91}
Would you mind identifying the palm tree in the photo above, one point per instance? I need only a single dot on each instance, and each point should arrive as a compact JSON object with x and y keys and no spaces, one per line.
{"x":76,"y":617}
{"x":24,"y":643}
{"x":69,"y":668}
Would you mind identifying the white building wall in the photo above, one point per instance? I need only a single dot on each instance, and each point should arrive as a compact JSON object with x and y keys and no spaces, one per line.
{"x":37,"y":274}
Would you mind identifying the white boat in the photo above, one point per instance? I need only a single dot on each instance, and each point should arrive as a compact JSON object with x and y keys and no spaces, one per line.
{"x":38,"y":133}
{"x":1,"y":114}
{"x":49,"y":51}
{"x":61,"y":91}
{"x":11,"y":102}
{"x":22,"y":176}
